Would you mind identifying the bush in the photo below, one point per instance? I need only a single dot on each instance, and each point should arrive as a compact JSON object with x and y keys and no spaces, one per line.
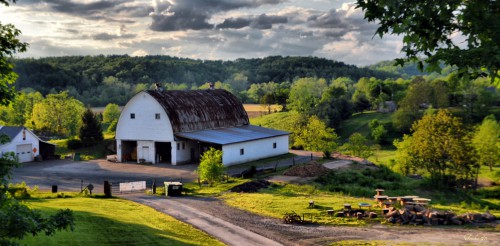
{"x":327,"y":154}
{"x":74,"y":144}
{"x":364,"y":182}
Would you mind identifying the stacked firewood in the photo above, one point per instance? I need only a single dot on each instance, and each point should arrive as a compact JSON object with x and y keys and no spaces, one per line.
{"x":419,"y":215}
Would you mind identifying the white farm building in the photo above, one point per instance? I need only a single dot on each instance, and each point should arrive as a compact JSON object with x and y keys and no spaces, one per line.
{"x":24,"y":144}
{"x":160,"y":126}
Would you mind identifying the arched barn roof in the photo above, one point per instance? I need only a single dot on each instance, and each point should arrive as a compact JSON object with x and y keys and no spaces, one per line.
{"x":201,"y":109}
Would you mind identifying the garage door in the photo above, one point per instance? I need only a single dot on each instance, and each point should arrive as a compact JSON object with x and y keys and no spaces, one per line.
{"x":23,"y":151}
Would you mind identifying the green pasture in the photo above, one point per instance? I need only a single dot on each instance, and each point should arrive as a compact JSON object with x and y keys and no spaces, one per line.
{"x":114,"y":221}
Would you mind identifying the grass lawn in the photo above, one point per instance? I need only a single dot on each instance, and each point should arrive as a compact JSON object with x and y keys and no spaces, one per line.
{"x":115,"y":222}
{"x":280,"y":199}
{"x":491,"y":176}
{"x":359,"y":123}
{"x":382,"y":156}
{"x":86,"y":153}
{"x":276,"y":120}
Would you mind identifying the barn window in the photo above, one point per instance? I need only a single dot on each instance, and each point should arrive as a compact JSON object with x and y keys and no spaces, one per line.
{"x":274,"y":145}
{"x":242,"y":151}
{"x":132,"y":116}
{"x":157,"y":116}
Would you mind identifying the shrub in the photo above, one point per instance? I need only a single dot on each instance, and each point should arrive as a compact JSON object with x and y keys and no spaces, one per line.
{"x":74,"y":144}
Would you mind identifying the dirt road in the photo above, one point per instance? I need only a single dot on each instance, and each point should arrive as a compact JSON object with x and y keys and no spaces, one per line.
{"x":276,"y":231}
{"x":224,"y":230}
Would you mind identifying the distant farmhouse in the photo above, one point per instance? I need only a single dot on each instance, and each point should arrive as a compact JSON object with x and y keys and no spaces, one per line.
{"x":25,"y":144}
{"x":160,"y":126}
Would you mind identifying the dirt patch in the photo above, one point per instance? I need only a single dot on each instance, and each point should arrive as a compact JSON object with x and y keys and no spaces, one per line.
{"x":251,"y":187}
{"x":290,"y":179}
{"x":312,"y":169}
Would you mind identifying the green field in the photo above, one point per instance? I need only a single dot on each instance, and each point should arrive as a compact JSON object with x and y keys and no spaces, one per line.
{"x":359,"y":123}
{"x":115,"y":222}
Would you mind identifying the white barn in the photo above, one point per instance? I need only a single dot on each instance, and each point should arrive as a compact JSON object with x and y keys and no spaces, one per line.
{"x":24,"y":143}
{"x":158,"y":126}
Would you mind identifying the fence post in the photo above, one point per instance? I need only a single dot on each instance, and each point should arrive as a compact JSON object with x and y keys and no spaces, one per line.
{"x":153,"y":186}
{"x":107,"y":189}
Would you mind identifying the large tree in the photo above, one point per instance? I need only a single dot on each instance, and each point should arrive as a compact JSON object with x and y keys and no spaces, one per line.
{"x":10,"y":44}
{"x":111,"y":113}
{"x":441,"y":146}
{"x":59,"y":114}
{"x":315,"y":135}
{"x":487,"y":142}
{"x":20,"y":110}
{"x":357,"y":145}
{"x":305,"y":94}
{"x":429,"y":29}
{"x":16,"y":219}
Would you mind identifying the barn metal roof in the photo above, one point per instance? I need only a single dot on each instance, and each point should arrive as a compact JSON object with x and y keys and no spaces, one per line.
{"x":195,"y":110}
{"x":231,"y":135}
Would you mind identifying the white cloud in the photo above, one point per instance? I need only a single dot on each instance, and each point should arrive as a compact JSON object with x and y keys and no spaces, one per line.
{"x":253,"y":28}
{"x":140,"y":52}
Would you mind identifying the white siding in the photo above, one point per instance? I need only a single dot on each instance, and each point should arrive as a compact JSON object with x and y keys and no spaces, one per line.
{"x":31,"y":138}
{"x":145,"y":126}
{"x":254,"y":150}
{"x":183,"y":154}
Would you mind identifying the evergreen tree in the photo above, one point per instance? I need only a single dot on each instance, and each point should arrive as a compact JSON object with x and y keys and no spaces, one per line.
{"x":91,"y":131}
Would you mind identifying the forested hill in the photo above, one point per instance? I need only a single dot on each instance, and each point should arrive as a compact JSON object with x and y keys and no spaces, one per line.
{"x":407,"y":71}
{"x":90,"y":77}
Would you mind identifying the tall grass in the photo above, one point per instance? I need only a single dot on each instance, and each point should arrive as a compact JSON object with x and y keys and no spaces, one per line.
{"x":364,"y":182}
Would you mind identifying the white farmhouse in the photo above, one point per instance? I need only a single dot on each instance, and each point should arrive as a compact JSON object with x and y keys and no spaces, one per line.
{"x":159,"y":126}
{"x":24,"y":143}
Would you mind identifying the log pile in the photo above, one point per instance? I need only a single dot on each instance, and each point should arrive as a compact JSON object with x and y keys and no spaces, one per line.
{"x":419,"y":215}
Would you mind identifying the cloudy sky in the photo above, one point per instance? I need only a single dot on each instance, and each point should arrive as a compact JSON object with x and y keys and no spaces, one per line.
{"x":200,"y":29}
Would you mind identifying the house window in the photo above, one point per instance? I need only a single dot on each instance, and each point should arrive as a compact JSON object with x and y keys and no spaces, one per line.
{"x":178,"y":146}
{"x":157,"y":116}
{"x":242,"y":151}
{"x":274,"y":145}
{"x":183,"y":145}
{"x":132,"y":116}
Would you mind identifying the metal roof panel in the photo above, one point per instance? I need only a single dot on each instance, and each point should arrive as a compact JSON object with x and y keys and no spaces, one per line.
{"x":231,"y":135}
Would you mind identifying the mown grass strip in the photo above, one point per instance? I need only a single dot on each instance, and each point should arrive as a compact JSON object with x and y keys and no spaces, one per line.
{"x":116,"y":222}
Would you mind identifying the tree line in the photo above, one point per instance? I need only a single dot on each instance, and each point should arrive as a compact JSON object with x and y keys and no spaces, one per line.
{"x":99,"y":80}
